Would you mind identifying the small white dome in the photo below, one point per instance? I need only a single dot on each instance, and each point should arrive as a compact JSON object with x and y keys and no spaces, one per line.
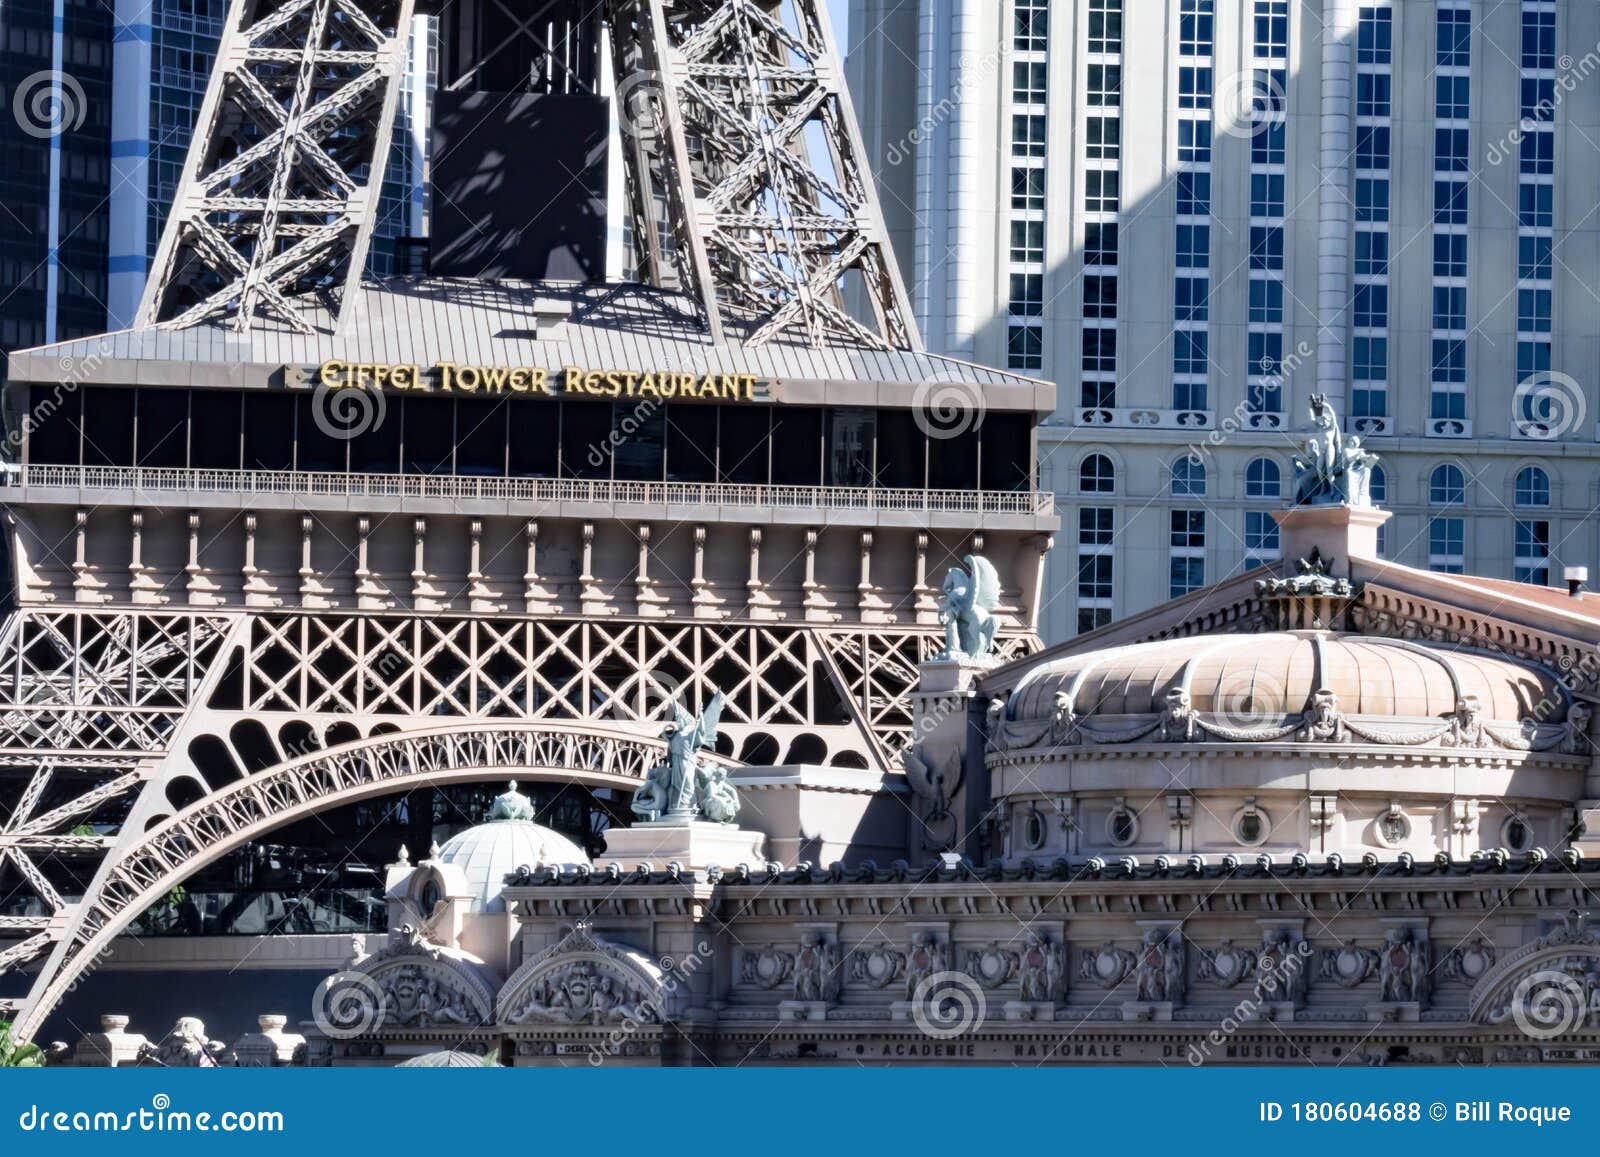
{"x":490,"y":852}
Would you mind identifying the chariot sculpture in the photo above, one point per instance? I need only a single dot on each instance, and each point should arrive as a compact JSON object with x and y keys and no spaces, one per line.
{"x":684,"y":787}
{"x":1334,"y":470}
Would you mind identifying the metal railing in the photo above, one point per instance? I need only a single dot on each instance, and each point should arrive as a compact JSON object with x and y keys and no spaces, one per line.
{"x":538,"y":490}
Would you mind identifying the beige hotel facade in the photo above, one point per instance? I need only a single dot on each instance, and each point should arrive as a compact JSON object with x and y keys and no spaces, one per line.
{"x":1193,"y":214}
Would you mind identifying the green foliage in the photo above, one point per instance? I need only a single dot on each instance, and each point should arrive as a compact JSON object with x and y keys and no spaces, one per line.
{"x":18,"y":1056}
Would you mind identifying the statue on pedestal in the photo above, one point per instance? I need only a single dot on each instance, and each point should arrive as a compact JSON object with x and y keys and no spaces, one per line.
{"x":684,"y":788}
{"x":1334,"y":470}
{"x":970,"y":599}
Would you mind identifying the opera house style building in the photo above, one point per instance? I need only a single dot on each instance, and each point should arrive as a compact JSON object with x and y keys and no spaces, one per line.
{"x":1333,"y":811}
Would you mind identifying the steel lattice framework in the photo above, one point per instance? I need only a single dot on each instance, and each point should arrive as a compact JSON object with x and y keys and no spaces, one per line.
{"x":189,"y":733}
{"x":279,"y":193}
{"x":747,"y":178}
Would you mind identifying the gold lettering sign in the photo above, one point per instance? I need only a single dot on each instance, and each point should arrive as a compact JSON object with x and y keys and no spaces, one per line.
{"x":535,"y":381}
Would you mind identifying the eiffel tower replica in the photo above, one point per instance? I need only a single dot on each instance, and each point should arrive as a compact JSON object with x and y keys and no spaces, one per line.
{"x":304,"y":537}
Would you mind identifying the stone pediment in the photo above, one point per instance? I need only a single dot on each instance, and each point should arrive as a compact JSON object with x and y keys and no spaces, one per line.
{"x":583,"y":979}
{"x":1547,"y":987}
{"x":412,"y":983}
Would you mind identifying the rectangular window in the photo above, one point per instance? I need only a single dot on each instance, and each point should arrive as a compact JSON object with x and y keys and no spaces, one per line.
{"x":1449,"y":360}
{"x":1101,"y":190}
{"x":1188,"y":559}
{"x":1266,"y":247}
{"x":1105,"y":85}
{"x":1449,"y":308}
{"x":1194,"y":246}
{"x":1099,"y":350}
{"x":1455,"y":37}
{"x":1371,"y":308}
{"x":1027,"y":241}
{"x":1450,"y":202}
{"x":1272,"y":29}
{"x":1189,"y":355}
{"x":1447,"y":551}
{"x":1194,"y":194}
{"x":1372,"y":147}
{"x":1025,"y":347}
{"x":1536,"y":207}
{"x":1100,"y":297}
{"x":1105,"y":26}
{"x":1266,"y":301}
{"x":1372,"y":253}
{"x":1100,"y":243}
{"x":1534,"y":258}
{"x":1027,"y":135}
{"x":1453,"y":98}
{"x":1266,"y":195}
{"x":1373,"y":97}
{"x":1191,"y":299}
{"x":1194,"y":142}
{"x":1375,"y":40}
{"x":1372,"y":199}
{"x":1370,"y":359}
{"x":1268,"y":143}
{"x":1194,"y":88}
{"x":1027,"y":189}
{"x":1102,"y":138}
{"x":1260,"y":539}
{"x":1450,"y":150}
{"x":1027,"y":294}
{"x":1449,"y":254}
{"x":1532,"y":562}
{"x":1196,"y":27}
{"x":1030,"y":25}
{"x":1029,"y":81}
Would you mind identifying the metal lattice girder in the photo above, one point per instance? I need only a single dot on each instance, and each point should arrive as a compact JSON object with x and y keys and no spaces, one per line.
{"x":279,"y":193}
{"x":743,"y":131}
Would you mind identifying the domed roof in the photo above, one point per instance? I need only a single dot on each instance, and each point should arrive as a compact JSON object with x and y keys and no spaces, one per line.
{"x":1272,"y":676}
{"x":448,"y":1059}
{"x":488,"y":853}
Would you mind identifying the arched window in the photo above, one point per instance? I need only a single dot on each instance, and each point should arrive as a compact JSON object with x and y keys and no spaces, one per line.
{"x":1263,"y":479}
{"x":1378,"y":485}
{"x":1097,"y":475}
{"x":1188,"y":477}
{"x":1533,"y":487}
{"x":1447,"y":487}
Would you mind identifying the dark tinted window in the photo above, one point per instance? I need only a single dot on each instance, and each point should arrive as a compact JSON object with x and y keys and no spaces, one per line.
{"x":745,"y":445}
{"x":323,"y":446}
{"x":691,"y":443}
{"x":428,"y":435}
{"x":902,"y":450}
{"x":107,"y":427}
{"x":535,"y":438}
{"x":214,"y":429}
{"x":163,"y":434}
{"x":54,"y":428}
{"x":850,"y":435}
{"x":1007,"y":452}
{"x":268,"y":432}
{"x":953,"y":462}
{"x":585,"y":440}
{"x":796,"y":447}
{"x":638,"y":440}
{"x":481,"y":437}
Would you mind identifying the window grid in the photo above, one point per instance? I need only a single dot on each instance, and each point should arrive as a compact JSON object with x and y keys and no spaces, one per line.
{"x":1096,"y":568}
{"x":1369,"y":391}
{"x":1191,"y":333}
{"x":1188,"y":551}
{"x":1102,"y":164}
{"x":1447,"y":407}
{"x":1269,"y":52}
{"x":1536,"y":193}
{"x":1030,"y":98}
